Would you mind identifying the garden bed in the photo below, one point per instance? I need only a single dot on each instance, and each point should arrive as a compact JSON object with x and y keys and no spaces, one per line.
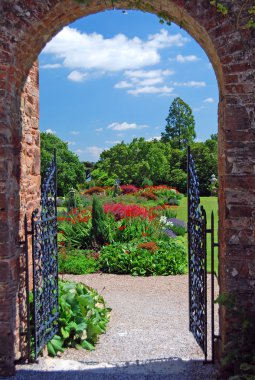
{"x":135,"y":232}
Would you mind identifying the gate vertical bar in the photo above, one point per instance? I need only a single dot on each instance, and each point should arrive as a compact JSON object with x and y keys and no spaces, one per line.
{"x":55,"y":199}
{"x":34,"y":281}
{"x":212,"y":284}
{"x":189,"y":217}
{"x":204,"y":250}
{"x":27,"y":292}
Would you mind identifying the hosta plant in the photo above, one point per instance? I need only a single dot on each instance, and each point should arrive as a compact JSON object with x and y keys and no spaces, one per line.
{"x":83,"y":317}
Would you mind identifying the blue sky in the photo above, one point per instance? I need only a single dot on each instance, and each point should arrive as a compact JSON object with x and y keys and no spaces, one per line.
{"x":113,"y":76}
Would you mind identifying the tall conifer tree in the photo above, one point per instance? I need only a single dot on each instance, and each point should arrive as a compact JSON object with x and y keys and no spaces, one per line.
{"x":180,"y":128}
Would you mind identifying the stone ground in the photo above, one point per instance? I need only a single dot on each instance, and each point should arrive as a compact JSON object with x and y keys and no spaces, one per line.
{"x":147,"y":337}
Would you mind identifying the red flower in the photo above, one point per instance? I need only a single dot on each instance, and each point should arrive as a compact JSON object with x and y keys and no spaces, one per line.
{"x":120,"y":210}
{"x":122,"y":228}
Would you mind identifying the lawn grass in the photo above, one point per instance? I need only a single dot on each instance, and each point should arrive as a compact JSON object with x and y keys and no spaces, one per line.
{"x":210,"y":204}
{"x":61,"y":209}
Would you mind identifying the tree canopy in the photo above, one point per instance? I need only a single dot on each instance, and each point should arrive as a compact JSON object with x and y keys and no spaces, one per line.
{"x":70,"y":171}
{"x":134,"y":163}
{"x":142,"y":162}
{"x":180,"y":127}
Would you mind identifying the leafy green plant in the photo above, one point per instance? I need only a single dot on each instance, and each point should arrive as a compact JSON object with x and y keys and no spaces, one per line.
{"x":75,"y":229}
{"x":169,"y":213}
{"x":83,"y":317}
{"x":178,"y":230}
{"x":77,"y":261}
{"x":127,"y":258}
{"x":147,"y":182}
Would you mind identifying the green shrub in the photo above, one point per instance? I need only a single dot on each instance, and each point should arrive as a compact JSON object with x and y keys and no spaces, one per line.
{"x":147,"y":182}
{"x":76,"y":262}
{"x":126,"y":258}
{"x":83,"y":316}
{"x":75,"y":230}
{"x":169,"y":213}
{"x":178,"y":230}
{"x":99,"y":230}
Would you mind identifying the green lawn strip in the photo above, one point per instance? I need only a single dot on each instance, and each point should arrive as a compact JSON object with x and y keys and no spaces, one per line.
{"x":61,"y":209}
{"x":210,"y":204}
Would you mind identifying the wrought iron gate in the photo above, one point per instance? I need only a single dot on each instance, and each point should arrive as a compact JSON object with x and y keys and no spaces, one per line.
{"x":45,"y":263}
{"x":197,"y":249}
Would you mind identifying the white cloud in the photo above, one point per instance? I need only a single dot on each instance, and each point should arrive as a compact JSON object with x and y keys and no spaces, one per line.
{"x":71,"y":143}
{"x":94,"y":151}
{"x":99,"y":129}
{"x":145,"y":82}
{"x":50,"y":131}
{"x":209,"y":100}
{"x":154,"y":138}
{"x":113,"y":142}
{"x":75,"y":133}
{"x":191,"y":83}
{"x":164,"y":39}
{"x":186,"y":58}
{"x":143,"y":74}
{"x":125,"y":126}
{"x":150,"y":81}
{"x":77,"y":76}
{"x":123,"y":84}
{"x":77,"y":50}
{"x":51,"y":66}
{"x":151,"y":90}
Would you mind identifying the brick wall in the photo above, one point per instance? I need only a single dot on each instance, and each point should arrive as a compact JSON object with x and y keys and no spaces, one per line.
{"x":25,"y":27}
{"x":30,"y":181}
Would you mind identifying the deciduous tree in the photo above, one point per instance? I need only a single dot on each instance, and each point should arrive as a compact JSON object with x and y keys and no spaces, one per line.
{"x":70,"y":171}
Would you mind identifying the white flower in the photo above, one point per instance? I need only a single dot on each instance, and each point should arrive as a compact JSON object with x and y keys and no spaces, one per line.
{"x":163,"y":220}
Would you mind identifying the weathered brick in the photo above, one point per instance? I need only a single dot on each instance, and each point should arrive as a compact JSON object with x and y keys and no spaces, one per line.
{"x":25,"y":27}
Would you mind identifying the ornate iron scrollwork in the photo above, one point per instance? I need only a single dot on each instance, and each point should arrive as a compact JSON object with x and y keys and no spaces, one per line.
{"x":45,"y":262}
{"x":197,"y":259}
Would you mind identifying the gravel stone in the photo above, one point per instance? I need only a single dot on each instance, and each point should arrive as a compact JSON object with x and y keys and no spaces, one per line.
{"x":147,"y":337}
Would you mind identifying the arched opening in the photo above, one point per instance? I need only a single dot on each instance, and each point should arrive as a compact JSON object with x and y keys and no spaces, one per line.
{"x":236,"y":119}
{"x":117,"y":106}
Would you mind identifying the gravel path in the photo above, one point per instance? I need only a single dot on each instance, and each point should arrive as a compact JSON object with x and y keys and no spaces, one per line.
{"x":147,"y":337}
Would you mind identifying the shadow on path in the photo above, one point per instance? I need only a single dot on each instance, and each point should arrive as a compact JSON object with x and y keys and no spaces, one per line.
{"x":160,"y":369}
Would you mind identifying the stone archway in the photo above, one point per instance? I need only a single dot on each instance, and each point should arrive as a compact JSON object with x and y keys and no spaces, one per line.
{"x":25,"y":28}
